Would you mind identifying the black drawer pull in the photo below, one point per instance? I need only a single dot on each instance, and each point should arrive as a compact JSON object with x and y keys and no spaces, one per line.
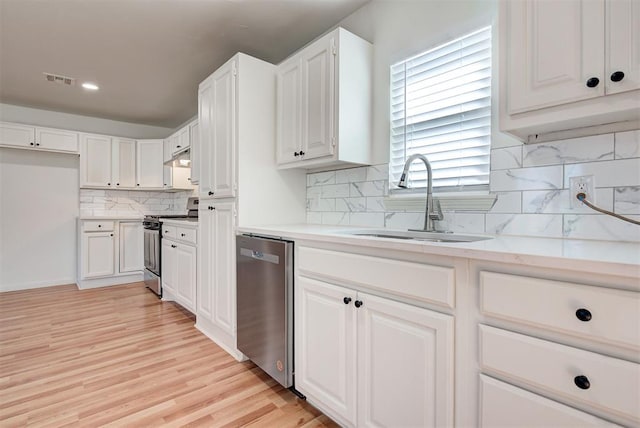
{"x":617,"y":76}
{"x":582,"y":382}
{"x":583,"y":314}
{"x":346,"y":300}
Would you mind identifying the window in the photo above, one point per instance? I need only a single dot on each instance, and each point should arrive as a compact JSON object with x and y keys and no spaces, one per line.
{"x":441,"y":107}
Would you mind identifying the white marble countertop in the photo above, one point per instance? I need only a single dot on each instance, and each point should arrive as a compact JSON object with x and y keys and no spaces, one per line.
{"x":603,"y":257}
{"x":114,"y":218}
{"x":180,"y":222}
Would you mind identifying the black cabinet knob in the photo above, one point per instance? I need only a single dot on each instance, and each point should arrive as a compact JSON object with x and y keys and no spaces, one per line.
{"x":111,"y":234}
{"x":358,"y":303}
{"x":211,"y":208}
{"x":583,"y":314}
{"x":182,"y":234}
{"x":210,"y":193}
{"x":108,"y":184}
{"x":117,"y":184}
{"x":37,"y":144}
{"x":31,"y":144}
{"x":346,"y":300}
{"x":99,"y":225}
{"x":177,"y":147}
{"x":593,"y":82}
{"x":296,"y":154}
{"x":582,"y":382}
{"x":301,"y":153}
{"x":137,"y":184}
{"x":173,"y":246}
{"x":617,"y":76}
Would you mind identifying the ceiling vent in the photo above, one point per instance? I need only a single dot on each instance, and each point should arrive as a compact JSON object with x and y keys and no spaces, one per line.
{"x":62,"y":80}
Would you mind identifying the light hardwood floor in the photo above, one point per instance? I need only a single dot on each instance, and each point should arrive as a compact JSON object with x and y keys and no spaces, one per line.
{"x":118,"y":356}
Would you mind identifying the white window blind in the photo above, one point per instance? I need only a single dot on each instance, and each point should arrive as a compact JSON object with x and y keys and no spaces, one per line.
{"x":441,"y":107}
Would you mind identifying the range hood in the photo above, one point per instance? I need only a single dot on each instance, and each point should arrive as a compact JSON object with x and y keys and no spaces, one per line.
{"x":181,"y":159}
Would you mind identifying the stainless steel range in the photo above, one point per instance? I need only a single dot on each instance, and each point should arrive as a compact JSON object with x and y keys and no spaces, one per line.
{"x":153,"y":244}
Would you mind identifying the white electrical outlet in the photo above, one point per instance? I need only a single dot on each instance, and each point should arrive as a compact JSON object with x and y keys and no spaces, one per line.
{"x":583,"y":184}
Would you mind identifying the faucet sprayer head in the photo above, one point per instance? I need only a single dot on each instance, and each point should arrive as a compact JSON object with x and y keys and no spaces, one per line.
{"x":403,"y":181}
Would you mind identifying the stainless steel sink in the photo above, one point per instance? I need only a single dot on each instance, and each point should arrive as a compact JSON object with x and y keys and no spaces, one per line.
{"x":419,"y":236}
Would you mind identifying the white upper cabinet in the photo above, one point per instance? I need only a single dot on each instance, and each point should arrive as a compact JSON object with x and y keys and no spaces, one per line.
{"x":205,"y":125}
{"x":557,"y":56}
{"x":223,"y":144}
{"x":217,"y":121}
{"x":149,"y":168}
{"x":123,"y":165}
{"x":58,"y":140}
{"x":622,"y":66}
{"x":195,"y":151}
{"x":95,"y":161}
{"x":324,"y":103}
{"x":569,"y":68}
{"x":183,"y":140}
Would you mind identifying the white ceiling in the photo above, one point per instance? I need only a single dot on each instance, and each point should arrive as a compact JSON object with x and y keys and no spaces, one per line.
{"x":147,"y":56}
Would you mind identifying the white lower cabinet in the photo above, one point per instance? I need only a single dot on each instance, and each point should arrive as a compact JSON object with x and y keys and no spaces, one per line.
{"x":131,"y":241}
{"x":98,"y":250}
{"x":216,"y":306}
{"x":179,"y":255}
{"x":570,"y":363}
{"x":371,"y":361}
{"x":111,"y":252}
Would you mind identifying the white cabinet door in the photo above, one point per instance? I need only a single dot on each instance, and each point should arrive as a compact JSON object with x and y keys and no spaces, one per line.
{"x":167,"y":150}
{"x":325,"y":351}
{"x":123,"y":155}
{"x":205,"y":121}
{"x":622,"y":71}
{"x":289,"y":102}
{"x":95,"y":161}
{"x":12,"y":134}
{"x":57,"y":139}
{"x":186,"y":276}
{"x":318,"y":89}
{"x":131,"y":245}
{"x":224,"y":274}
{"x":409,"y":349}
{"x":98,"y":253}
{"x":182,"y":139}
{"x":195,"y":152}
{"x":554,"y":49}
{"x":205,"y":264}
{"x":149,"y":168}
{"x":223,"y":132}
{"x":167,"y":177}
{"x":169,"y":265}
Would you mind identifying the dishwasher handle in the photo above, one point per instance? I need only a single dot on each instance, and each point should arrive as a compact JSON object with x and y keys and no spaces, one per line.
{"x":258,"y":255}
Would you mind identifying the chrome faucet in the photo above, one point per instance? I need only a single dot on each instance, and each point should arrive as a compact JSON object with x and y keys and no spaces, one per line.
{"x":432,"y":210}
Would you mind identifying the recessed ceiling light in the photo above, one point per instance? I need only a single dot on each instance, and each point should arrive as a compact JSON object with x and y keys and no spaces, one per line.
{"x":90,"y":86}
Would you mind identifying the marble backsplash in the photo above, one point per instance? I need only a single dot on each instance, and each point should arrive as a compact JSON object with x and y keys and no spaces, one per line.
{"x":132,"y":202}
{"x":531,"y":183}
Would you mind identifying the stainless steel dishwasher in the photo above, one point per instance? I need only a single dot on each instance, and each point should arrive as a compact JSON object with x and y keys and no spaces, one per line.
{"x":265,"y":304}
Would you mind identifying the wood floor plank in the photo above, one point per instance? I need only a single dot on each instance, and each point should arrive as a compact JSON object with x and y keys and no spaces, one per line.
{"x":119,"y":357}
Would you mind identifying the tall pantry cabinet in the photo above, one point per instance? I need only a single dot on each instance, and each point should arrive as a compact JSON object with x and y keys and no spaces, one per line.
{"x":239,"y":183}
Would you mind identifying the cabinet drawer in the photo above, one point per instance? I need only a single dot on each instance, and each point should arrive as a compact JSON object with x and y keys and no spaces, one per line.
{"x":613,"y":384}
{"x":187,"y":234}
{"x":613,"y":315}
{"x":169,"y":231}
{"x":433,"y":284}
{"x":97,"y":226}
{"x":504,"y":405}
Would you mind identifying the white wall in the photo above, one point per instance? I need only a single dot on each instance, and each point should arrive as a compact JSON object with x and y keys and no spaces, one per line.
{"x":74,"y":122}
{"x":38,"y":210}
{"x":400,"y":29}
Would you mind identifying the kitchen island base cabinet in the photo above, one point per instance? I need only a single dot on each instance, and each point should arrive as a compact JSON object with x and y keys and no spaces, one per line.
{"x":348,"y":364}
